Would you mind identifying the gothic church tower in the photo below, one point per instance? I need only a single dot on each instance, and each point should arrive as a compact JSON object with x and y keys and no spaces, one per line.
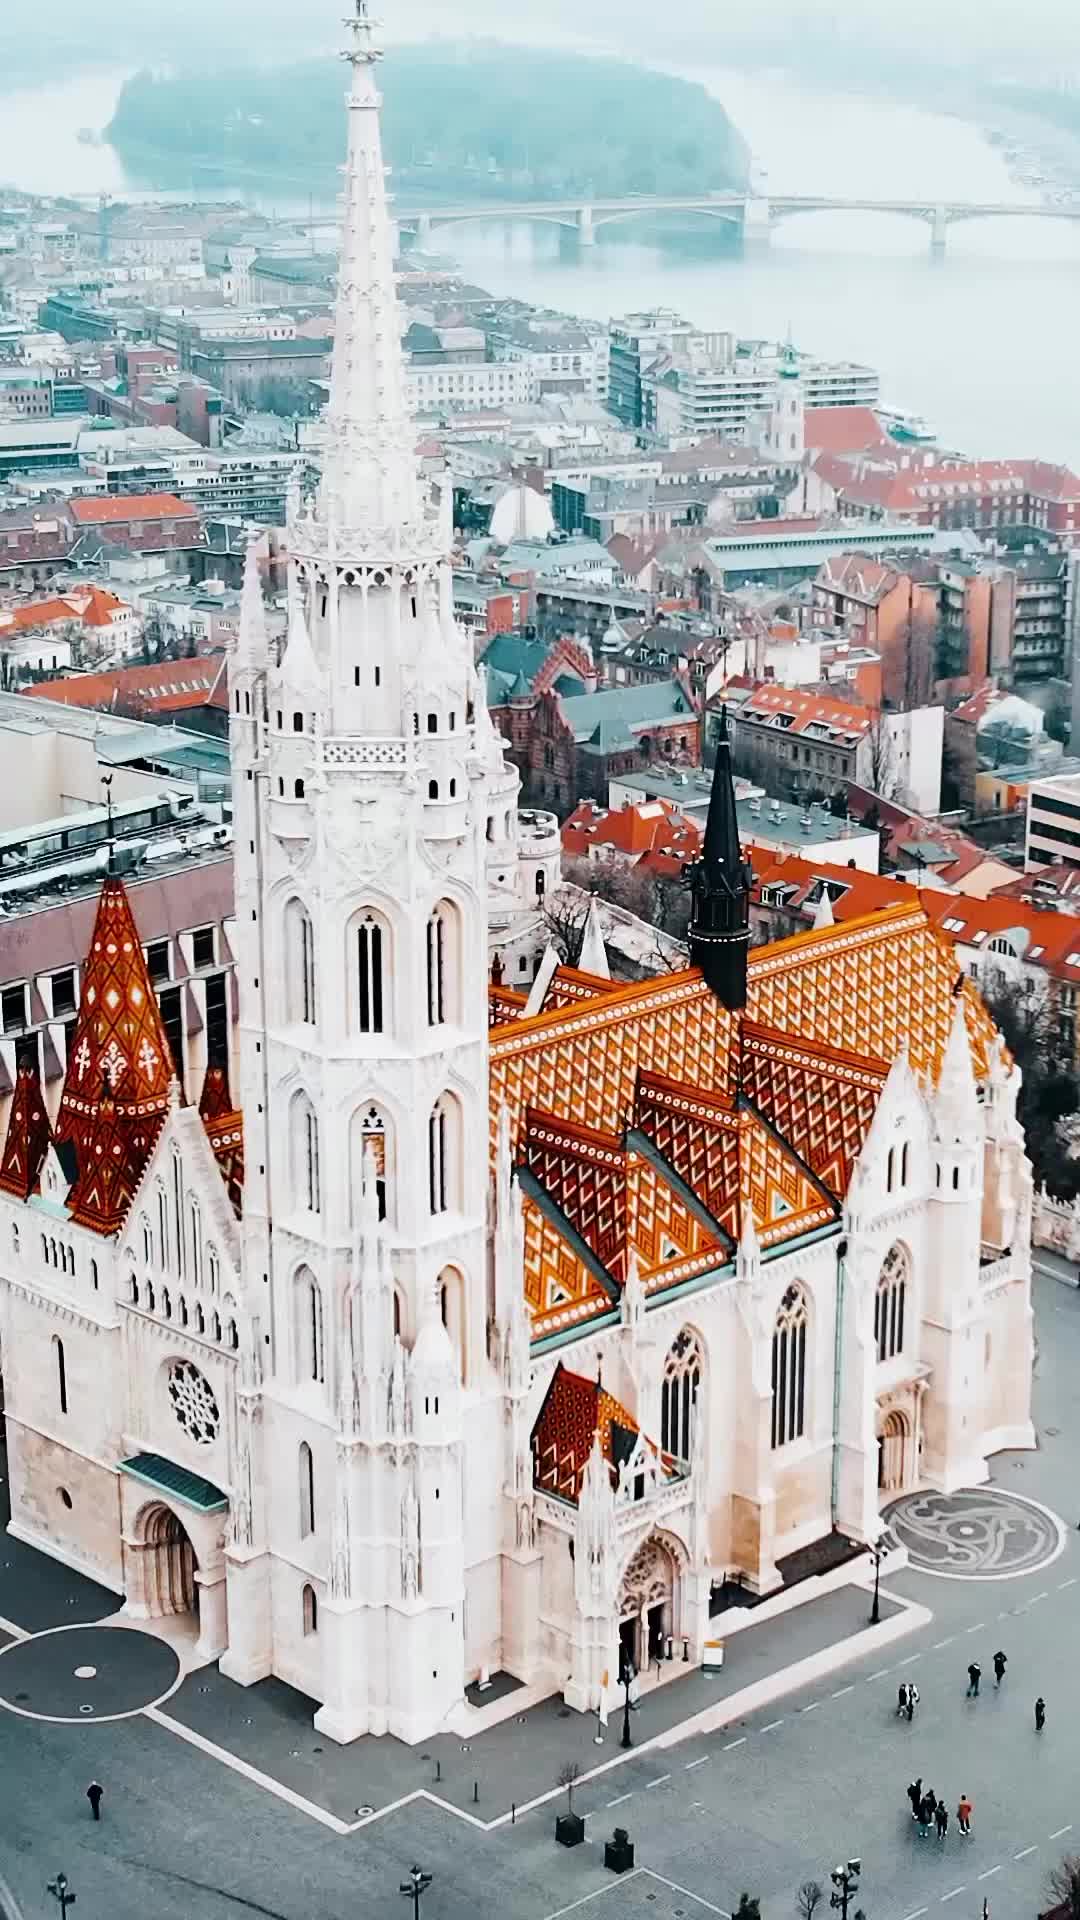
{"x":362,"y":771}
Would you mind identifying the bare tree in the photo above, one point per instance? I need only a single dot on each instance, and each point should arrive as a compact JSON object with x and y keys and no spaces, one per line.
{"x":879,"y":757}
{"x":671,"y":904}
{"x":1062,"y":1889}
{"x":809,"y":1898}
{"x":564,"y":917}
{"x":568,"y":1776}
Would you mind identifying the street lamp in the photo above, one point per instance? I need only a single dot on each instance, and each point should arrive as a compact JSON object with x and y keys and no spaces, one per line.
{"x":416,"y":1884}
{"x":626,"y":1681}
{"x":877,"y":1555}
{"x":845,"y":1886}
{"x":62,"y":1894}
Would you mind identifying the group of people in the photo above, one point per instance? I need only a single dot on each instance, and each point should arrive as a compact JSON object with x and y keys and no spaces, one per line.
{"x":928,"y":1811}
{"x":1000,"y":1663}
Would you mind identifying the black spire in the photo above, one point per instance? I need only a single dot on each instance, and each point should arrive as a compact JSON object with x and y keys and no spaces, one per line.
{"x":721,"y":881}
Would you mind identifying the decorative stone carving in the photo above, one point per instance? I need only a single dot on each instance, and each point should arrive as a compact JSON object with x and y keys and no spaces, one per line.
{"x":193,"y":1402}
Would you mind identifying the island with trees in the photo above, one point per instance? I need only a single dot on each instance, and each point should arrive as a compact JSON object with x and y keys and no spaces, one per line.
{"x":479,"y":118}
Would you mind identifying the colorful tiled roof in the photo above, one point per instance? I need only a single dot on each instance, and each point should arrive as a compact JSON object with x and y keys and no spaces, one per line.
{"x":574,"y":1411}
{"x":28,"y":1135}
{"x":224,"y":1125}
{"x":116,"y":1089}
{"x":647,"y":1118}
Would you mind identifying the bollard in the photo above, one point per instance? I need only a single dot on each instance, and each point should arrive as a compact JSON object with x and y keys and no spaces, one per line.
{"x":475,"y":1791}
{"x":513,"y":1813}
{"x":438,"y":1770}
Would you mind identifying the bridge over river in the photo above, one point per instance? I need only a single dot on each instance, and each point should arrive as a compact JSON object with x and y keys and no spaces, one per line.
{"x":754,"y":216}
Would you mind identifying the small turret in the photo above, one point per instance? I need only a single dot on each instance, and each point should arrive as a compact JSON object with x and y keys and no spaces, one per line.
{"x":721,"y":880}
{"x":959,"y":1116}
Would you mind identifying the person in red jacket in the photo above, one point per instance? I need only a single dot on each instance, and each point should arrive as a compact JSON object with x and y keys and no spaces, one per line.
{"x":963,"y":1814}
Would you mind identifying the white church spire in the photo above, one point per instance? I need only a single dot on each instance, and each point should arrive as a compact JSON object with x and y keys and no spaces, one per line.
{"x":370,"y":476}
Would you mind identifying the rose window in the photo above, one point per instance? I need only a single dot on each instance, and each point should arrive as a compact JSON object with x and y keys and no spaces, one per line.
{"x":193,"y":1402}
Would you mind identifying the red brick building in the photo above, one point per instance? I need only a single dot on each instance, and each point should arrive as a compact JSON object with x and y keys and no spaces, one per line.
{"x":141,"y":521}
{"x":573,"y":745}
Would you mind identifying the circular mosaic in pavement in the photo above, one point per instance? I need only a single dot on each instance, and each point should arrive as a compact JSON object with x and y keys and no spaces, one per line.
{"x":86,"y":1673}
{"x":976,"y":1534}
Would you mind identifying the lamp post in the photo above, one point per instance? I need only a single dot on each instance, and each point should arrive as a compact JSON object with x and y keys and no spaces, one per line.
{"x":62,"y":1894}
{"x":845,"y":1881}
{"x":626,"y":1679}
{"x":877,"y":1555}
{"x":416,"y":1884}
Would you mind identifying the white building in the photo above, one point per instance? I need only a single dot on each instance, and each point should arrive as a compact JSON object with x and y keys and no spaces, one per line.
{"x":386,"y":1411}
{"x":1052,"y":831}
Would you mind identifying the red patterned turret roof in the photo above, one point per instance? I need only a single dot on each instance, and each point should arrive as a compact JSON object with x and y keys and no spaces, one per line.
{"x":116,"y":1088}
{"x":224,"y":1130}
{"x":111,"y":1160}
{"x":28,"y":1135}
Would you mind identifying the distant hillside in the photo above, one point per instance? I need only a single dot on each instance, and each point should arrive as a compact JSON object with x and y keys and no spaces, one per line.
{"x":485,"y":117}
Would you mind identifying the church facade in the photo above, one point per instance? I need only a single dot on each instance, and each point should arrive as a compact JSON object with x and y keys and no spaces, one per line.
{"x":485,"y":1329}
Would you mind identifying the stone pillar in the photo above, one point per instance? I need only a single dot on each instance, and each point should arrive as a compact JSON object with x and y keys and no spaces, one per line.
{"x":138,"y":1582}
{"x":586,"y":235}
{"x":939,"y":229}
{"x":213,"y":1612}
{"x":423,"y":230}
{"x":756,"y":221}
{"x":344,"y":1714}
{"x":854,"y":1377}
{"x":249,"y":1654}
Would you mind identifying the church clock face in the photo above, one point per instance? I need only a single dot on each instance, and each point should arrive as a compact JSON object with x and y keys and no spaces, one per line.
{"x":193,"y":1403}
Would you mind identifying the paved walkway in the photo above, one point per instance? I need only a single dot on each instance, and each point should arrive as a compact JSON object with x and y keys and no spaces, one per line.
{"x":268,"y":1726}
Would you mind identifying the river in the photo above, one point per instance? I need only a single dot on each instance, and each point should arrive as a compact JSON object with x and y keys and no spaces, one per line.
{"x":984,"y":342}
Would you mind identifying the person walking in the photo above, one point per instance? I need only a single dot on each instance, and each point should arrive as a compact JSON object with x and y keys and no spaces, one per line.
{"x":901,"y":1698}
{"x":94,"y":1794}
{"x":974,"y":1676}
{"x":1040,"y":1714}
{"x":963,"y":1814}
{"x":941,"y":1819}
{"x":914,"y":1794}
{"x":1000,"y":1664}
{"x":913,"y":1698}
{"x":926,"y":1815}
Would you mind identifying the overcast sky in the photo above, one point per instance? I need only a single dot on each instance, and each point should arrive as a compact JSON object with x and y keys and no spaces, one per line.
{"x":1043,"y":33}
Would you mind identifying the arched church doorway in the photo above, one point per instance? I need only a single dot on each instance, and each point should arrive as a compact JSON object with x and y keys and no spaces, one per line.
{"x":169,"y":1564}
{"x":893,"y":1453}
{"x":647,"y":1606}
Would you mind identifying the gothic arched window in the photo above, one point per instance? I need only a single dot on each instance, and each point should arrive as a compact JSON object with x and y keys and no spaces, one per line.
{"x":195,"y":1241}
{"x":889,"y":1303}
{"x":371,"y":962}
{"x":452,"y":1311}
{"x":309,"y":1326}
{"x":370,"y":1132}
{"x":789,"y":1369}
{"x":310,"y":1611}
{"x":436,"y":969}
{"x":443,"y":963}
{"x":305,"y":1154}
{"x":679,"y":1394}
{"x":299,"y":965}
{"x":443,"y":1154}
{"x":307,"y":1491}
